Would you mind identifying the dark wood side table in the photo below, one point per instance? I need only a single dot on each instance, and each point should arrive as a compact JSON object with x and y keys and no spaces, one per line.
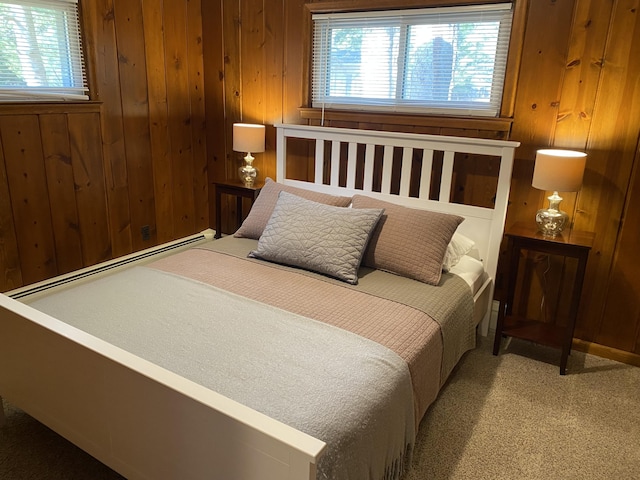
{"x":240,"y":191}
{"x":525,"y":236}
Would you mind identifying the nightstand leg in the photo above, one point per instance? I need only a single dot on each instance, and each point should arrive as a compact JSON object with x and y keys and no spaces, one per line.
{"x":499,"y":325}
{"x":563,"y":362}
{"x":508,"y":291}
{"x":238,"y":211}
{"x":3,"y":417}
{"x":218,"y":214}
{"x":573,"y":312}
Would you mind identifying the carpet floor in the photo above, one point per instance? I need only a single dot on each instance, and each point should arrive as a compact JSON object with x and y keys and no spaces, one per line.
{"x":510,"y":416}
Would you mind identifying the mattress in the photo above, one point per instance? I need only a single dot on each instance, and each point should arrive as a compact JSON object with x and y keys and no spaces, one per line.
{"x":472,"y":271}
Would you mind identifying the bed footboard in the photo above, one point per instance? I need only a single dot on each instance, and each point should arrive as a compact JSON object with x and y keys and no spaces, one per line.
{"x":139,"y":419}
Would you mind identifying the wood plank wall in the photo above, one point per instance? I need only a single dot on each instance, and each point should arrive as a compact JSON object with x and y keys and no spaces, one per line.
{"x":148,"y":72}
{"x":590,"y":101}
{"x":53,"y":209}
{"x":576,"y":87}
{"x":80,"y":183}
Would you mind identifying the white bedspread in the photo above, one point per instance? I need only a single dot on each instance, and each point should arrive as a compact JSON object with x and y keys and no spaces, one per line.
{"x":350,"y":392}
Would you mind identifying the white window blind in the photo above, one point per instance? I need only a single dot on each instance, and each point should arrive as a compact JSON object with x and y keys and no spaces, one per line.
{"x":41,"y":51}
{"x":446,"y":60}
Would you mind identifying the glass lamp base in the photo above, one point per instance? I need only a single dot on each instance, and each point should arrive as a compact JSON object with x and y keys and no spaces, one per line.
{"x":551,"y":222}
{"x":248,"y":172}
{"x":248,"y":175}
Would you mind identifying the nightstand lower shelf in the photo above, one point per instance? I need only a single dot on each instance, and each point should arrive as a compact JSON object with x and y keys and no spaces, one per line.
{"x":534,"y":331}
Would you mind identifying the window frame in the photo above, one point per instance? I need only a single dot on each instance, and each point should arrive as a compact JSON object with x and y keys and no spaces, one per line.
{"x":78,"y":89}
{"x":427,"y":119}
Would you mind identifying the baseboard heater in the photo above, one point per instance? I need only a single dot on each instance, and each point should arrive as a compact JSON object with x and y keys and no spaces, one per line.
{"x":108,"y":265}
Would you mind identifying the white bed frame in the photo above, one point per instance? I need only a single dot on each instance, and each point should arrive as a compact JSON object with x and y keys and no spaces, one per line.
{"x":148,"y":423}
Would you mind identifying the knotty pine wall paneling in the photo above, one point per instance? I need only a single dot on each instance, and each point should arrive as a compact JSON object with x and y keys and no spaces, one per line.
{"x":231,"y":32}
{"x":11,"y":273}
{"x":620,"y":327}
{"x":81,"y":182}
{"x":296,"y":82}
{"x":61,"y":187}
{"x":612,"y":145}
{"x":160,"y":143}
{"x":54,"y":202}
{"x":197,"y":115}
{"x":101,"y":49}
{"x":90,"y":190}
{"x":149,"y":76}
{"x":543,"y":76}
{"x":215,"y":62}
{"x":135,"y":119}
{"x":575,"y":86}
{"x":248,"y":85}
{"x":591,"y":104}
{"x":178,"y":107}
{"x":25,"y":166}
{"x":147,"y":152}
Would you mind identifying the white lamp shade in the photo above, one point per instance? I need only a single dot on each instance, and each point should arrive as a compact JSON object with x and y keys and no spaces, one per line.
{"x":248,"y":137}
{"x":559,"y":170}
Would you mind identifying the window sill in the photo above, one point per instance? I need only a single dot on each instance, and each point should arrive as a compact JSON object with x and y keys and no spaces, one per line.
{"x":17,"y":108}
{"x":502,"y":126}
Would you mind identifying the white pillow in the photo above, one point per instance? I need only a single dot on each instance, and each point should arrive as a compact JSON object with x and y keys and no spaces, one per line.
{"x":457,"y":248}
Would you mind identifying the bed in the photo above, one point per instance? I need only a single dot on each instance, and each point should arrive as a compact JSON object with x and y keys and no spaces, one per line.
{"x":318,"y":368}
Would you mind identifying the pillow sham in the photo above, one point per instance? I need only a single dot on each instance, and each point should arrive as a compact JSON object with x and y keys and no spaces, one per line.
{"x":408,"y":241}
{"x":457,"y":248}
{"x":322,"y":238}
{"x":262,"y":208}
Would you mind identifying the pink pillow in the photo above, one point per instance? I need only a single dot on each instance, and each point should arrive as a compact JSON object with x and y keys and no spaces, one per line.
{"x":261,"y":211}
{"x":408,"y":241}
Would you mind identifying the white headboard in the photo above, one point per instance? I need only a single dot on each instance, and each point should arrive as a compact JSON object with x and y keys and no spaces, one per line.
{"x":484,"y":225}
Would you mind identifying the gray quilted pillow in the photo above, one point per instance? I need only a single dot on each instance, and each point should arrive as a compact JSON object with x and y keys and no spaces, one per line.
{"x":322,"y":238}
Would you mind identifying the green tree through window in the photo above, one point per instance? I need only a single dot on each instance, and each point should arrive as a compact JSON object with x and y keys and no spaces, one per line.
{"x":442,"y":60}
{"x":40,"y":51}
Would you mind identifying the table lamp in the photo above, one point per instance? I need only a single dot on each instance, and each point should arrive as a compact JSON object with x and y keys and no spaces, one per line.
{"x":248,"y":138}
{"x":556,"y":171}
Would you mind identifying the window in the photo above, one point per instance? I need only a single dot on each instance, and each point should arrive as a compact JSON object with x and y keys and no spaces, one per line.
{"x":448,"y":60}
{"x":41,"y":51}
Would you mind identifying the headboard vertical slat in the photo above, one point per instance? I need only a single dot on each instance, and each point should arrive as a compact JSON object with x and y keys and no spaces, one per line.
{"x":281,"y":148}
{"x":387,"y":167}
{"x":447,"y":176}
{"x":369,"y":154}
{"x":425,"y":174}
{"x":351,"y":165}
{"x":335,"y":163}
{"x":319,"y":162}
{"x":405,"y":179}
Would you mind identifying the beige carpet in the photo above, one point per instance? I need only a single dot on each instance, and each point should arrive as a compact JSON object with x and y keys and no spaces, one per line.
{"x":506,"y":417}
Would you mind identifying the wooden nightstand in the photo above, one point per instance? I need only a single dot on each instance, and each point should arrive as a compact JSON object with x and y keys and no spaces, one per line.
{"x":573,"y":244}
{"x":240,"y":191}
